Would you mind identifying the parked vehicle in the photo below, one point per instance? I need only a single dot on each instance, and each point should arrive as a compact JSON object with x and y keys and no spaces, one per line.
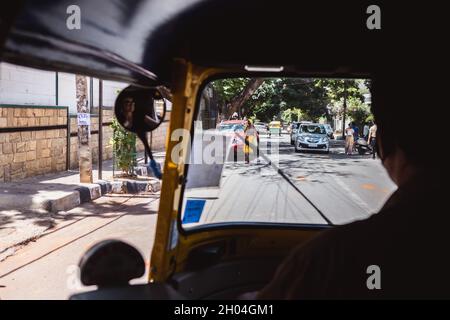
{"x":261,"y":127}
{"x":329,"y":131}
{"x":275,"y":128}
{"x":295,"y":125}
{"x":312,"y":137}
{"x":362,"y":146}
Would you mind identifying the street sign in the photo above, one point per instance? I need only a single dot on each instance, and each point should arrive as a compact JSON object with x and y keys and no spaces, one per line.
{"x":84,"y":119}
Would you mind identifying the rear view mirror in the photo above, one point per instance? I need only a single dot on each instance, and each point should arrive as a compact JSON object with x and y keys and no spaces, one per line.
{"x":141,"y":110}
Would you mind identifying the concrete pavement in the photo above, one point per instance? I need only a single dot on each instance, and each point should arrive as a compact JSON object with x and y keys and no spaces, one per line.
{"x":30,"y":207}
{"x":47,"y":268}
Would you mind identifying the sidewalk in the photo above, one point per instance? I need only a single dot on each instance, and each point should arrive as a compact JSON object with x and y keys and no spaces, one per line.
{"x":28,"y":207}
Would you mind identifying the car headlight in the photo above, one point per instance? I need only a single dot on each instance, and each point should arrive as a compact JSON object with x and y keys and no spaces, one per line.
{"x":324,"y":140}
{"x":301,"y":138}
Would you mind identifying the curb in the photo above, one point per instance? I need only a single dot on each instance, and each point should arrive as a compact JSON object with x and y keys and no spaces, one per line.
{"x":89,"y":192}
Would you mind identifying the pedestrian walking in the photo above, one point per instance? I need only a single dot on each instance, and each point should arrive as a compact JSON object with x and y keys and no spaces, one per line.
{"x":372,"y":139}
{"x":366,"y":132}
{"x":349,"y":139}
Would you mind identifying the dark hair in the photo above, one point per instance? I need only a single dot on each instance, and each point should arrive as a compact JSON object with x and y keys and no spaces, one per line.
{"x":401,"y":103}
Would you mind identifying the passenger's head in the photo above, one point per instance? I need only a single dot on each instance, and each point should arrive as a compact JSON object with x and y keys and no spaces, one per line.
{"x":405,"y":108}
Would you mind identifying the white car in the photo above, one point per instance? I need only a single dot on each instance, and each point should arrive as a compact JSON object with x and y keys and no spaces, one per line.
{"x":312,"y":137}
{"x":261,"y":127}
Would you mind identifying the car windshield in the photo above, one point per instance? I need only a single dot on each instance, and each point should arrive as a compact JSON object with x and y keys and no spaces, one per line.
{"x":231,"y":127}
{"x":312,"y":129}
{"x":272,"y":177}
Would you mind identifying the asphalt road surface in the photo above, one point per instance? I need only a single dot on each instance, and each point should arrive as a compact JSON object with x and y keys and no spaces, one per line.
{"x":343,"y":188}
{"x":320,"y":188}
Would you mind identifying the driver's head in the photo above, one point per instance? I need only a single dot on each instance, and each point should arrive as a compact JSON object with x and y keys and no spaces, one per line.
{"x":407,"y":107}
{"x":128,"y":105}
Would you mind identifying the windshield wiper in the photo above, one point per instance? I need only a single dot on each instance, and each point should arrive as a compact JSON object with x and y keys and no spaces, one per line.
{"x":285,"y":177}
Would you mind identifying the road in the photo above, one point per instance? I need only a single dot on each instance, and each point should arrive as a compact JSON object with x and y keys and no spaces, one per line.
{"x":329,"y":188}
{"x":342,"y":188}
{"x":47,"y":268}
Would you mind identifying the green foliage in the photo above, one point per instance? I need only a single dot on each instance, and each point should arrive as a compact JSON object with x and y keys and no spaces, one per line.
{"x":283,"y":98}
{"x":275,"y":96}
{"x":124,"y":144}
{"x":293,"y":114}
{"x":227,"y":89}
{"x":358,"y":112}
{"x":337,"y":88}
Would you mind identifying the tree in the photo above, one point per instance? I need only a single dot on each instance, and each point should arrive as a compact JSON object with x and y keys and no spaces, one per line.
{"x":234,"y":93}
{"x":339,"y":91}
{"x":275,"y":96}
{"x":359,"y":112}
{"x":271,"y":98}
{"x":238,"y":101}
{"x":124,"y":145}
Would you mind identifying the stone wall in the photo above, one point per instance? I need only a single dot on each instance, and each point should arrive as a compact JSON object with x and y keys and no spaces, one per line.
{"x":25,"y":153}
{"x":29,"y":152}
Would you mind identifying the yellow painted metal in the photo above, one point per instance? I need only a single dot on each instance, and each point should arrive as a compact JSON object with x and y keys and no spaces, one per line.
{"x":187,"y":79}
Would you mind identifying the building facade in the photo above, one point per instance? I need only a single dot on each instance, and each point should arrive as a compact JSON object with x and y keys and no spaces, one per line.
{"x":38,"y":121}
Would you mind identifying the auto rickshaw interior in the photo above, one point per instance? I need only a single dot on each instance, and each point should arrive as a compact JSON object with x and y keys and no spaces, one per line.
{"x":183,"y":46}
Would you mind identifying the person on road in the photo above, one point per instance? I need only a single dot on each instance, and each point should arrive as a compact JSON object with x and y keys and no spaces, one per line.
{"x":366,"y":131}
{"x":349,"y":139}
{"x":355,"y":135}
{"x":372,"y":139}
{"x":399,"y":252}
{"x":251,"y":141}
{"x":355,"y":131}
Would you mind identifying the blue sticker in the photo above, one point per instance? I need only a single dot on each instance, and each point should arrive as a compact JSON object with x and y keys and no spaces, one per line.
{"x":193,"y":211}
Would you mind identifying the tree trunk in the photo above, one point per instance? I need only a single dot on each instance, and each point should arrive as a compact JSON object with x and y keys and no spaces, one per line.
{"x":84,"y":150}
{"x":238,"y":101}
{"x":345,"y":110}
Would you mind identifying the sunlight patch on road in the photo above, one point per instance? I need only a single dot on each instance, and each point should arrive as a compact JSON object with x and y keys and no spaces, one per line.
{"x":368,"y":186}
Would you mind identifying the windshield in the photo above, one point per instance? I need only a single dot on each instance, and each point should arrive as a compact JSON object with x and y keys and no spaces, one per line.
{"x":312,"y":129}
{"x":231,"y":127}
{"x":273,"y":177}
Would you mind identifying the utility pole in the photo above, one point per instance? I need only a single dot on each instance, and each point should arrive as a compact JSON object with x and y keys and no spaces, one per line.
{"x":345,"y":109}
{"x":100,"y":129}
{"x":84,"y":132}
